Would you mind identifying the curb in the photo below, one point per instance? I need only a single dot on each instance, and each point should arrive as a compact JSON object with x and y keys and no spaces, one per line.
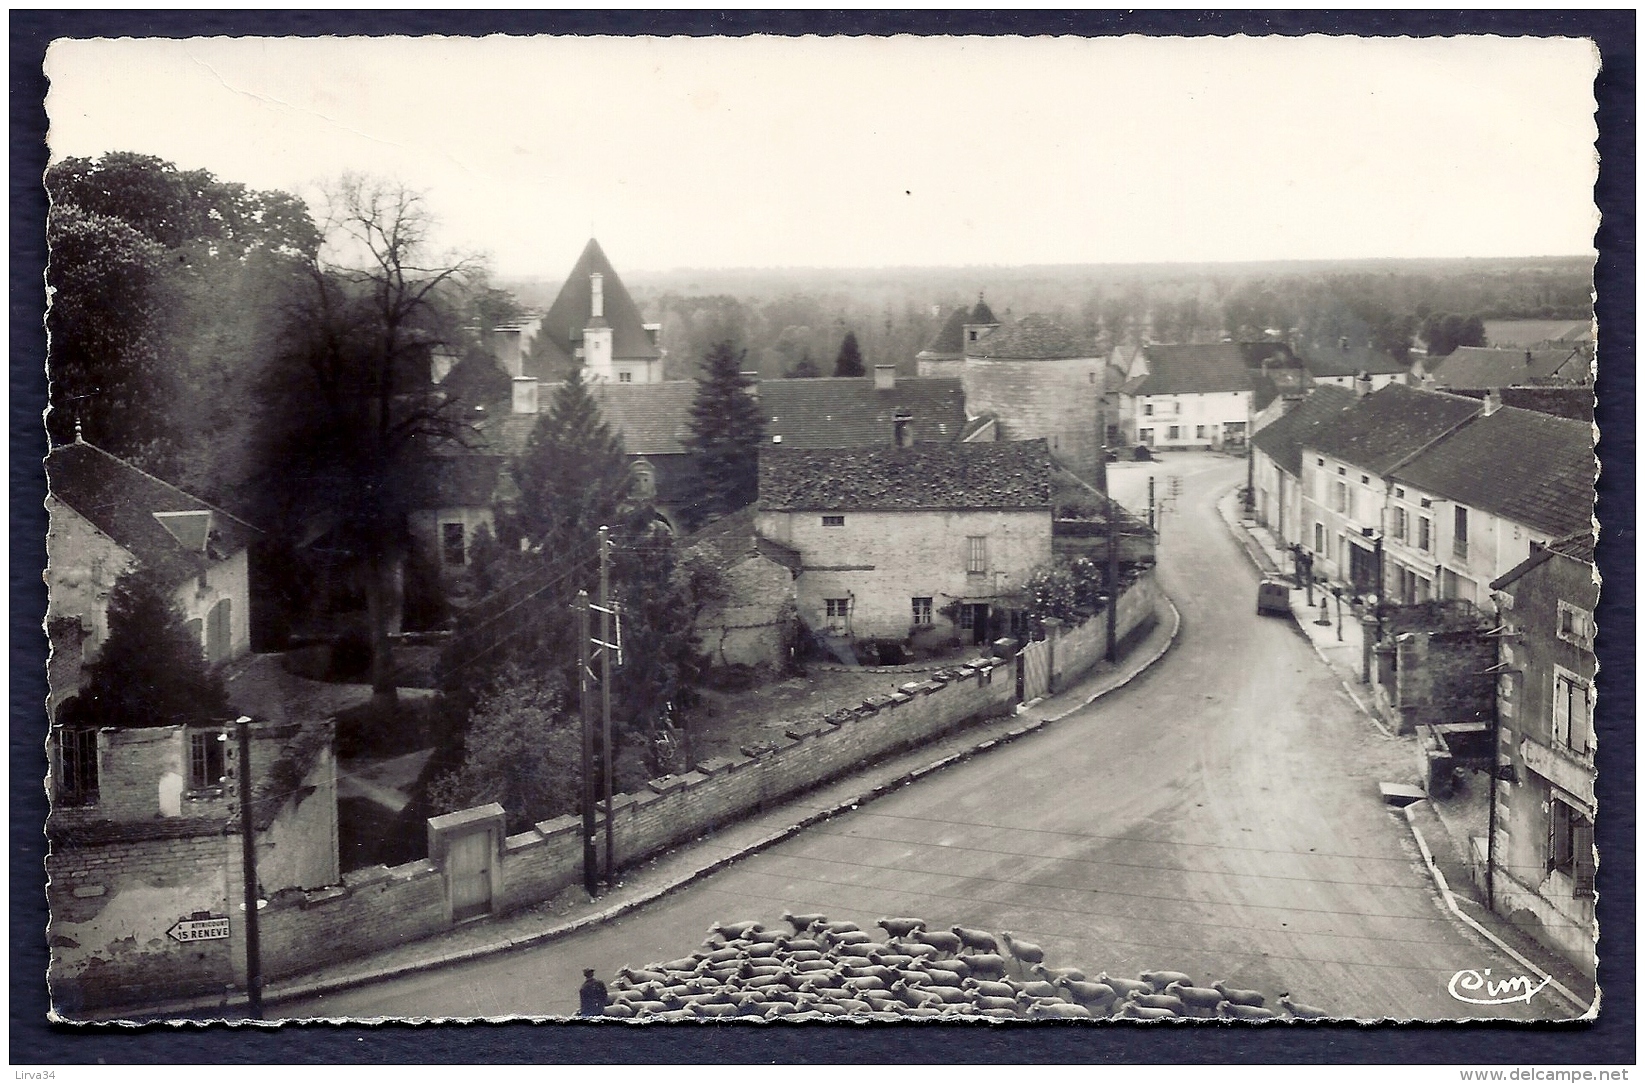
{"x":1588,"y":1012}
{"x":1028,"y":726}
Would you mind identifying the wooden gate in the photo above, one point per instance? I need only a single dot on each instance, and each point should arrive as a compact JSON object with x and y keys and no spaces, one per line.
{"x":1036,"y":669}
{"x":468,"y":866}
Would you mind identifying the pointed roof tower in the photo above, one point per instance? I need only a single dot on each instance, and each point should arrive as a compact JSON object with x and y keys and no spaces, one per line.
{"x":982,"y":314}
{"x":949,"y":341}
{"x":573,"y":310}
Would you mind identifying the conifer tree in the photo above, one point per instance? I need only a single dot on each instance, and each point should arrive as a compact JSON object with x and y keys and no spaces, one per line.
{"x":727,"y":429}
{"x":574,"y":477}
{"x":849,"y":362}
{"x":151,"y":670}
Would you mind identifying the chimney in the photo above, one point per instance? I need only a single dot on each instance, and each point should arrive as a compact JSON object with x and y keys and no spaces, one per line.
{"x":525,"y":395}
{"x":1343,"y":342}
{"x":1493,"y":401}
{"x":885,"y":377}
{"x":1362,"y":384}
{"x":902,"y":425}
{"x":596,"y":285}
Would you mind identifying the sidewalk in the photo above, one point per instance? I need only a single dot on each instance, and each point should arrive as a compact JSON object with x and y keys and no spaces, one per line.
{"x":1444,"y":825}
{"x":683,"y":865}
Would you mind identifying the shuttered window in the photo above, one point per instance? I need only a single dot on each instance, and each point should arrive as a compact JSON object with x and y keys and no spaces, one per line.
{"x":976,"y":554}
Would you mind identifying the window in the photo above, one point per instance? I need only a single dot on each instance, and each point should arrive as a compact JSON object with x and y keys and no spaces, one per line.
{"x":1399,"y":491}
{"x":1399,"y":524}
{"x":1459,"y":540}
{"x":1174,"y":433}
{"x":1146,"y":436}
{"x":1425,"y":534}
{"x":1571,"y":845}
{"x":77,"y":765}
{"x":220,"y":631}
{"x":625,"y":377}
{"x":833,"y":521}
{"x":837,"y":607}
{"x":922,"y":612}
{"x":1340,"y":497}
{"x":1319,"y":462}
{"x":1576,"y":626}
{"x":1364,"y":481}
{"x":1573,"y":713}
{"x":1148,"y":410}
{"x":1199,"y":432}
{"x":205,"y":759}
{"x":968,"y":616}
{"x":451,"y":543}
{"x":1342,"y":470}
{"x":1319,"y":538}
{"x":976,"y":554}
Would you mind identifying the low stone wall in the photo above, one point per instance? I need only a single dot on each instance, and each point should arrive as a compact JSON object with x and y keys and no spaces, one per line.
{"x":378,"y":908}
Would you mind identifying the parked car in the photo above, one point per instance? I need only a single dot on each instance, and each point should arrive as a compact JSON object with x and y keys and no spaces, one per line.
{"x":1273,"y":597}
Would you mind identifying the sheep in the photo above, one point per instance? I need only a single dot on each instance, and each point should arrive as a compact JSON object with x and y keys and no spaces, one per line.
{"x":987,"y":965}
{"x":865,"y":982}
{"x":1132,"y":1011}
{"x":736,"y":930}
{"x":940,"y":940}
{"x":801,"y":923}
{"x":840,"y":927}
{"x":1235,"y":1011}
{"x":980,"y":940}
{"x":806,"y":956}
{"x":687,"y":964}
{"x":643,"y":976}
{"x":620,"y":1011}
{"x":956,"y":967}
{"x":1058,"y":1010}
{"x":1125,"y":986}
{"x":1159,"y":1001}
{"x":1299,"y":1010}
{"x":990,"y":989}
{"x":891,"y":959}
{"x":803,"y":944}
{"x":1253,"y":998}
{"x":849,"y":937}
{"x":988,"y":1001}
{"x":1087,"y":993}
{"x":912,"y":996}
{"x":705,"y":1012}
{"x":901,"y":927}
{"x":1036,"y":989}
{"x":1201,"y":997}
{"x":1052,"y":974}
{"x":1159,"y":980}
{"x":916,"y":948}
{"x":935,"y":977}
{"x":1025,"y":952}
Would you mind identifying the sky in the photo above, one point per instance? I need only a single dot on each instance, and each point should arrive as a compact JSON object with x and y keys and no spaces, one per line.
{"x":884,"y":152}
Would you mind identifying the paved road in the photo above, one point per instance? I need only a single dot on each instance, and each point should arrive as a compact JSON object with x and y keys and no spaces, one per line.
{"x":1218,"y":816}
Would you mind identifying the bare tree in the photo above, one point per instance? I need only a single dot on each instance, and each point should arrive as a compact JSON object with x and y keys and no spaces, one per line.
{"x":354,"y":418}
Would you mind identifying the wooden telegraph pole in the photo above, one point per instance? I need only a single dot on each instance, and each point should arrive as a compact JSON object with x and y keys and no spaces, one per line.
{"x":1112,"y":514}
{"x":606,"y":648}
{"x":590,"y":861}
{"x":248,"y":872}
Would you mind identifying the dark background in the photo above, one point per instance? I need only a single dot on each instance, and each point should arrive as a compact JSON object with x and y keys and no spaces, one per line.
{"x":1611,"y":1040}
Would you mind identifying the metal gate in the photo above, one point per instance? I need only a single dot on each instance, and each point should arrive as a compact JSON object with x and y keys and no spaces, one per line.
{"x":1036,"y":669}
{"x":468,"y":867}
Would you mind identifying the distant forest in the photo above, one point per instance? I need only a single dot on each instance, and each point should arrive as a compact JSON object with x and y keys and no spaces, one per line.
{"x":784,"y":317}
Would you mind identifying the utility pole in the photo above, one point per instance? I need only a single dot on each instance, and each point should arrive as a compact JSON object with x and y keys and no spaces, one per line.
{"x":606,"y":649}
{"x":1151,"y":502}
{"x":590,"y":862}
{"x":248,"y":873}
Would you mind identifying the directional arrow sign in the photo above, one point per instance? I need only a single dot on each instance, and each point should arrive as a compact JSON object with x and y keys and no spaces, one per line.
{"x":199,"y":929}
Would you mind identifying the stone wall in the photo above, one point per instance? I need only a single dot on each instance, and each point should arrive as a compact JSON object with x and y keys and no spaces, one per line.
{"x":1081,"y":647}
{"x":1441,"y":677}
{"x":1051,"y":398}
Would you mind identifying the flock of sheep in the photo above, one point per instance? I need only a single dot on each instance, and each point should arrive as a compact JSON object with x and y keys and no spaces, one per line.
{"x":819,"y":969}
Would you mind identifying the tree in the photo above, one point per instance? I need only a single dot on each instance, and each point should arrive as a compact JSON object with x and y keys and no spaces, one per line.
{"x":151,"y":670}
{"x":574,"y":476}
{"x":1444,"y":332}
{"x":727,"y":429}
{"x":522,"y":750}
{"x":804,"y":369}
{"x":352,"y":416}
{"x":849,"y":361}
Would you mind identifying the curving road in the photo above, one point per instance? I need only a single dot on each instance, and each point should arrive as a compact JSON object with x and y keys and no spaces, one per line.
{"x":1217,"y":816}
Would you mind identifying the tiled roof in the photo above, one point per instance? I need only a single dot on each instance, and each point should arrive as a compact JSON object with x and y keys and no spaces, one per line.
{"x":982,"y":314}
{"x":121,"y":501}
{"x":1390,"y":424}
{"x":1034,"y":337}
{"x":849,"y":412}
{"x":573,"y":307}
{"x":1283,"y":438}
{"x":1576,"y":547}
{"x":1490,"y":367}
{"x":1014,"y":475}
{"x":1576,"y":403}
{"x":1532,"y":468}
{"x":949,"y":341}
{"x":1329,"y":359}
{"x":728,"y":540}
{"x":1186,"y":368}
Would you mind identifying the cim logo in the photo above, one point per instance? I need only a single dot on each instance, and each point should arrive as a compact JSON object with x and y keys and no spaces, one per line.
{"x":1465,"y":985}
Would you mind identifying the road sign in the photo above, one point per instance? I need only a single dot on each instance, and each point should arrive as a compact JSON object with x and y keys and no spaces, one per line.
{"x":199,"y":929}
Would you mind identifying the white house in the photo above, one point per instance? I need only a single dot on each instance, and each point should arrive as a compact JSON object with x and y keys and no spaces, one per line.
{"x":594,"y":323}
{"x":1202,"y":395}
{"x":899,"y":542}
